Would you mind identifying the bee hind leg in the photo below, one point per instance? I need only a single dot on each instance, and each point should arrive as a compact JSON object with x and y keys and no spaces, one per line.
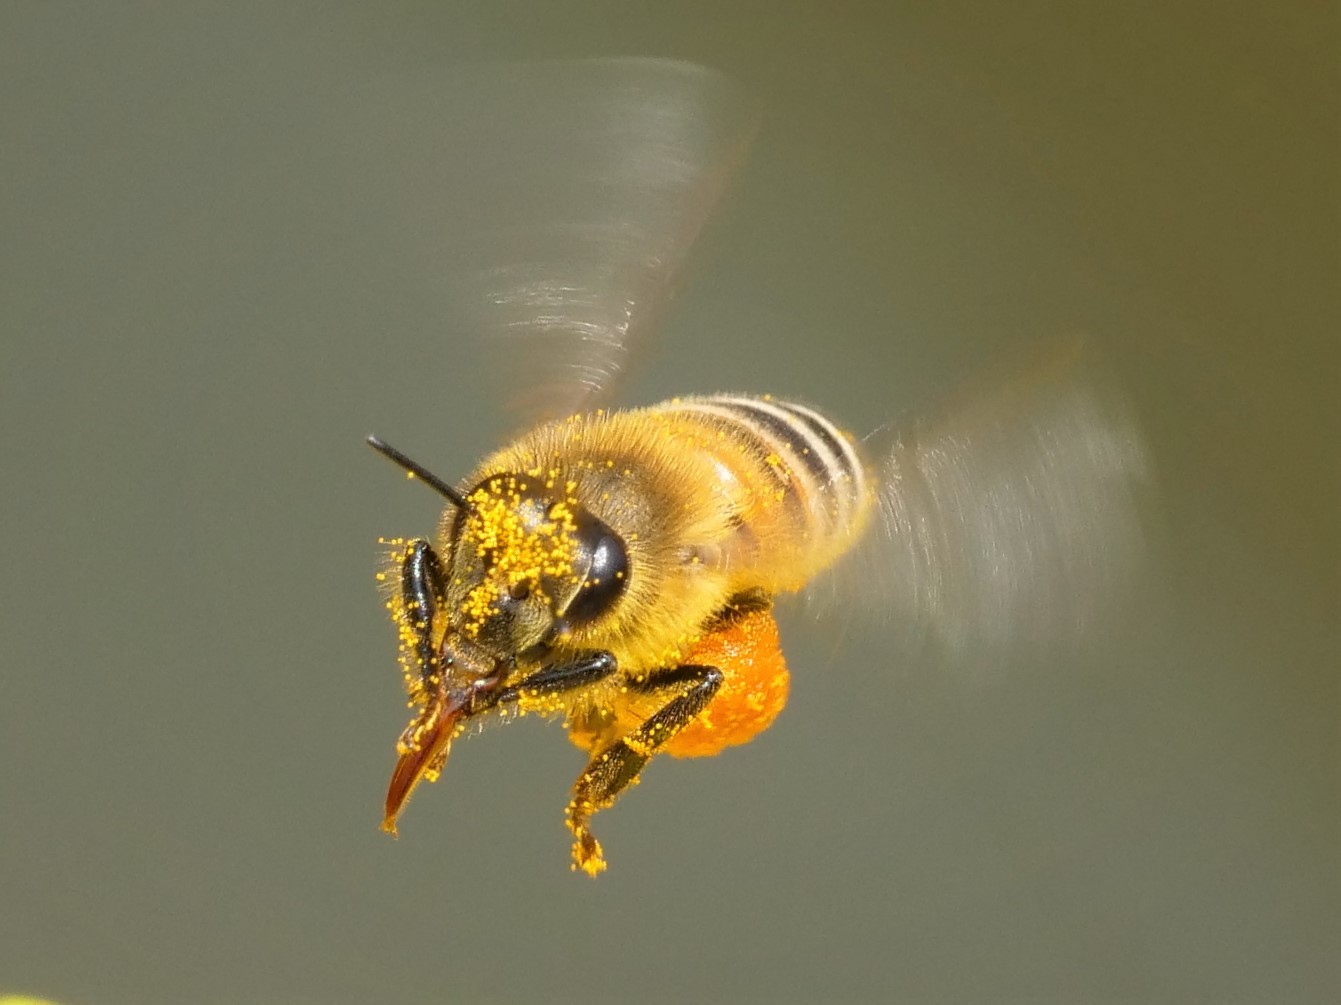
{"x":616,"y":768}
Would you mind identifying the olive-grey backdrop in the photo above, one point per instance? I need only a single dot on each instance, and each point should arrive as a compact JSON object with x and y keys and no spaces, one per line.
{"x":202,"y":316}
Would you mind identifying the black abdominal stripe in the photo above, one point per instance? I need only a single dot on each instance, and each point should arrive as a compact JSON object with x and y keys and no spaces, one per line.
{"x":820,"y":468}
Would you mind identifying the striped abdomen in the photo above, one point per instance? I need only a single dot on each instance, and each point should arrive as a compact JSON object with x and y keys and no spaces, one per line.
{"x":797,"y":484}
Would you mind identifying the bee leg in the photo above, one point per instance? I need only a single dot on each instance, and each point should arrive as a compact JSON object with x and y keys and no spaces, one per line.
{"x":616,"y":768}
{"x":423,"y":592}
{"x":554,"y":680}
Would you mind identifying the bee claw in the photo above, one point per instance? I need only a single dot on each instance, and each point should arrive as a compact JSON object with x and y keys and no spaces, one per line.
{"x":587,"y":854}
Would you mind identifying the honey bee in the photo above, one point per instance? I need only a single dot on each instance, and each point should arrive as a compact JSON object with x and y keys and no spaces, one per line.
{"x":618,"y":568}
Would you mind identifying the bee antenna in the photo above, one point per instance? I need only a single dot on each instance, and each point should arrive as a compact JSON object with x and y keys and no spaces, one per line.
{"x":419,"y":471}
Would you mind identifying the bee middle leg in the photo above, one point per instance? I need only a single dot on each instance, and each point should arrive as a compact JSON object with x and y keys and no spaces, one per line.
{"x":615,"y":768}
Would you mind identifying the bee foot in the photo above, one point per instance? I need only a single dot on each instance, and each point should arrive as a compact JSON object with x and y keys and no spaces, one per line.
{"x":587,"y":854}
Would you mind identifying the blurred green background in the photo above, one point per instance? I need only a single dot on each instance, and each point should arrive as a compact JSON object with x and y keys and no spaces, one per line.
{"x":202,"y":317}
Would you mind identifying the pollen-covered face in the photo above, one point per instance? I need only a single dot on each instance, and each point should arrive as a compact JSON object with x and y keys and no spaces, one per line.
{"x":528,"y":564}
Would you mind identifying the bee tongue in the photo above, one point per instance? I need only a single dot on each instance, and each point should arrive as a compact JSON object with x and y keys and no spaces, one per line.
{"x":423,"y":749}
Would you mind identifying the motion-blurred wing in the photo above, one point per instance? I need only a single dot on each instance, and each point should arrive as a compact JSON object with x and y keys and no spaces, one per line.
{"x":570,"y":193}
{"x":1012,"y":517}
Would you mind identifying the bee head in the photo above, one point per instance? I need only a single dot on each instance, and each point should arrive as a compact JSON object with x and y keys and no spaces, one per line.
{"x":530,"y":564}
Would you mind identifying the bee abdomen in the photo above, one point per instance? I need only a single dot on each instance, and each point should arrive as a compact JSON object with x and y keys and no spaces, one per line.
{"x":796,"y":476}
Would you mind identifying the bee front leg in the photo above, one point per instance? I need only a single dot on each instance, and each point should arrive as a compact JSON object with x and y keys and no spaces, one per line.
{"x":423,"y":594}
{"x":615,"y":768}
{"x":558,"y":679}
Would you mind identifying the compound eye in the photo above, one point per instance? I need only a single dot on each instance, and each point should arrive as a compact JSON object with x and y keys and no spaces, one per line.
{"x":607,"y":575}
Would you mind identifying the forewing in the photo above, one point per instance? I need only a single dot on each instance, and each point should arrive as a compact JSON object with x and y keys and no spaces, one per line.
{"x":1012,"y":517}
{"x":569,"y":195}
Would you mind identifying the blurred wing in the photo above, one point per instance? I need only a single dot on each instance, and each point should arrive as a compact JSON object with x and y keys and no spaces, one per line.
{"x":1012,"y":517}
{"x":569,"y":195}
